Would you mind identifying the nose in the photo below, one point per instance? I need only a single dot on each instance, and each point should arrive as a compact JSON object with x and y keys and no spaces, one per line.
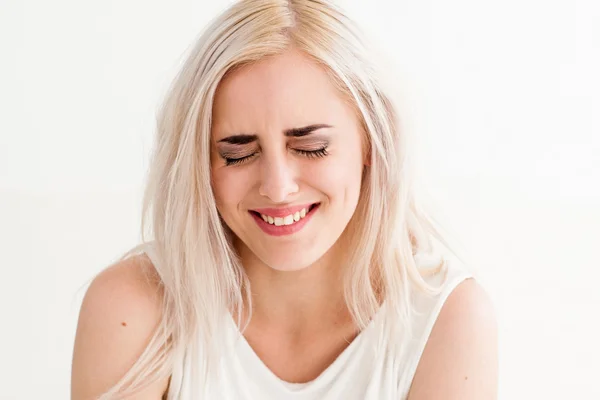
{"x":277,"y":180}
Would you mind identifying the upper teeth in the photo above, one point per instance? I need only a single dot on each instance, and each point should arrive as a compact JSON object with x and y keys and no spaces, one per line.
{"x":287,"y":220}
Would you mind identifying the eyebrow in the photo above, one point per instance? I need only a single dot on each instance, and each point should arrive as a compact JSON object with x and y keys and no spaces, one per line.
{"x":245,"y":138}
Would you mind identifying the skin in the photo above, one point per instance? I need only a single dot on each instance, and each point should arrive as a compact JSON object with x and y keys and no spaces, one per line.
{"x":104,"y":348}
{"x":460,"y":359}
{"x":297,"y":293}
{"x":295,"y":278}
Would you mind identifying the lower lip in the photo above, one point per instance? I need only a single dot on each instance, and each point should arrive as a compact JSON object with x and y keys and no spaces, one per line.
{"x":283,"y":230}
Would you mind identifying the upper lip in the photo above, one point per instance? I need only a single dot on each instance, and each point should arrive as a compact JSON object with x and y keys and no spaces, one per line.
{"x":282,"y":211}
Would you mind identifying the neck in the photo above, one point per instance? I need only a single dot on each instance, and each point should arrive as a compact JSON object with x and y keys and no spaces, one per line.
{"x":300,"y":300}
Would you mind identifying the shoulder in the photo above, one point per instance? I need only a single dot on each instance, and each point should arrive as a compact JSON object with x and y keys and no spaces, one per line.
{"x":119,"y":314}
{"x":460,"y":359}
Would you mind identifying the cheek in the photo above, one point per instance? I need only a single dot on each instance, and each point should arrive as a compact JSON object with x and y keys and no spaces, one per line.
{"x":230,"y":187}
{"x":339,"y":177}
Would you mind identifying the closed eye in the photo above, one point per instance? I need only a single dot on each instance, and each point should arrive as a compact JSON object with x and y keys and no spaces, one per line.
{"x":318,"y":153}
{"x":322,"y":152}
{"x":234,"y":161}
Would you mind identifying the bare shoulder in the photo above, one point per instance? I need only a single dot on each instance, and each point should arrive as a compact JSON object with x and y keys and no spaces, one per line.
{"x":119,"y":314}
{"x":460,"y":360}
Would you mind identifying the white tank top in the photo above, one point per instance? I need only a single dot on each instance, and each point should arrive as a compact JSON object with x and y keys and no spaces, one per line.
{"x":359,"y":372}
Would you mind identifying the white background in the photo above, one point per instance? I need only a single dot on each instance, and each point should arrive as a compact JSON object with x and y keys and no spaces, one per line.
{"x":504,"y":97}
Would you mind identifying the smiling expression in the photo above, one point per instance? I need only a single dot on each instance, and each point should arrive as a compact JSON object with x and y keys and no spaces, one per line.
{"x":286,"y":160}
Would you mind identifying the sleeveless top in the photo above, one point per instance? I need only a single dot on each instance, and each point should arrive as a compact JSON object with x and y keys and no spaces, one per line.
{"x":364,"y":370}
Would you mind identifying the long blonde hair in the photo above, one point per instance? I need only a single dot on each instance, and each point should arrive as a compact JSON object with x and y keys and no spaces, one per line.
{"x":200,"y":273}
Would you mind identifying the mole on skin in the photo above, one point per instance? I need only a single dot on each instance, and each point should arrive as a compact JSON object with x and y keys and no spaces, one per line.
{"x":123,"y":323}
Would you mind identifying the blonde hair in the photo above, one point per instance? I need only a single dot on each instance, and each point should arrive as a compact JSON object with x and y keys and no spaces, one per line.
{"x":200,"y":273}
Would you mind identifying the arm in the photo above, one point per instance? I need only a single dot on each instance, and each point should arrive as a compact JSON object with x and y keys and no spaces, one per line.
{"x":460,"y":360}
{"x":119,"y":313}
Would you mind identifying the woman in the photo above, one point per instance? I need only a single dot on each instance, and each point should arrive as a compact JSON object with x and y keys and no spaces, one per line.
{"x":289,"y":257}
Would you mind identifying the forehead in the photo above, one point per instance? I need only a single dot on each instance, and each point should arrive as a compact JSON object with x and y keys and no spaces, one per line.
{"x":276,"y":93}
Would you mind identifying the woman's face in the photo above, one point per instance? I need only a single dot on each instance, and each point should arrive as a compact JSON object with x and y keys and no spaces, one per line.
{"x":287,"y":149}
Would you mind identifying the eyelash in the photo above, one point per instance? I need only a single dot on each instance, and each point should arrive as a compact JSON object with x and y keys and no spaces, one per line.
{"x":322,"y":152}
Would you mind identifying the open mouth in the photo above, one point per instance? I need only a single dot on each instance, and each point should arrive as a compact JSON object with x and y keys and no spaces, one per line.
{"x":289,"y":219}
{"x":284,"y":224}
